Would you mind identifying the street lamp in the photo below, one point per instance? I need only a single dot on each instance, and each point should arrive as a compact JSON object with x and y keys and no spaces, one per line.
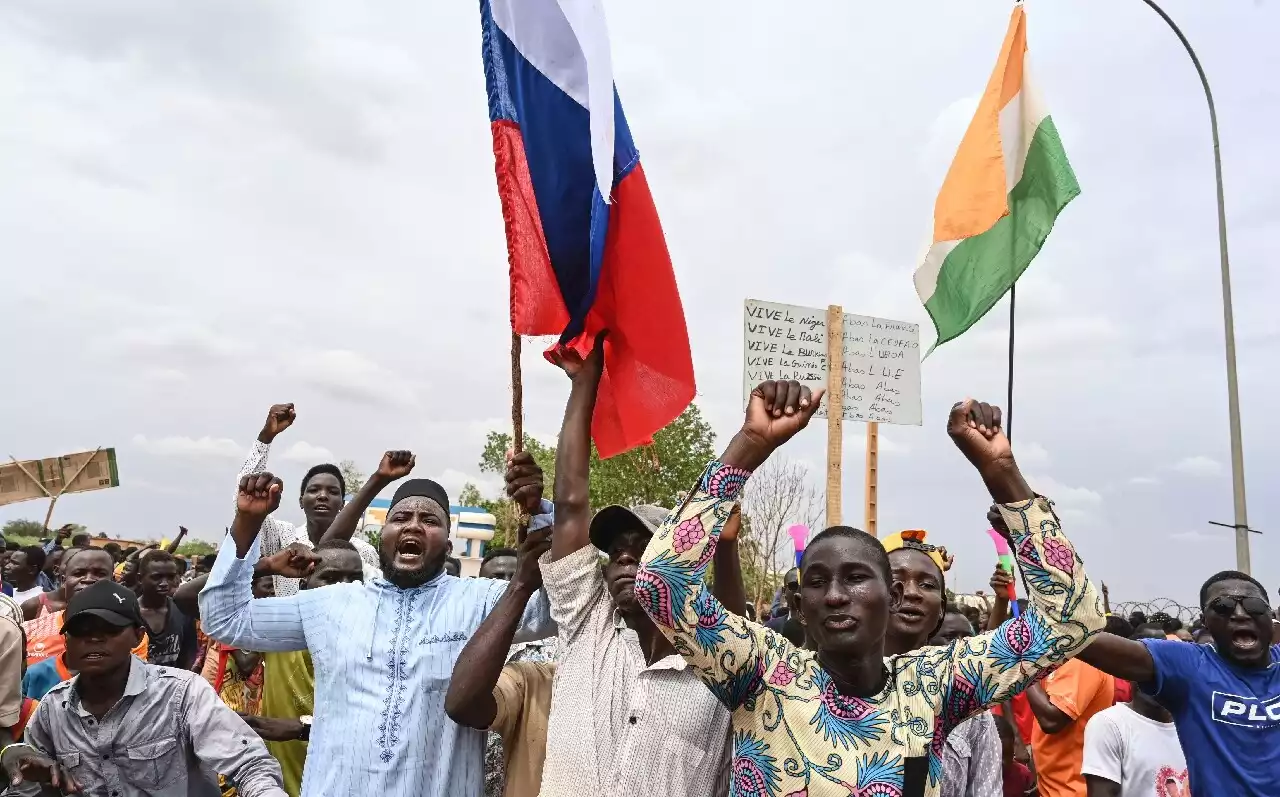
{"x":1241,"y":524}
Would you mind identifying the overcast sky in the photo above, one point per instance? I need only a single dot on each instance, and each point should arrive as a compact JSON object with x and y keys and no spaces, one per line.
{"x":213,"y":205}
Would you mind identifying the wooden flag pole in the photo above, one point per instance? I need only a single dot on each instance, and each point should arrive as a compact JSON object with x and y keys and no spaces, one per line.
{"x":517,"y":396}
{"x":835,"y":410}
{"x":873,"y":467}
{"x":517,"y":423}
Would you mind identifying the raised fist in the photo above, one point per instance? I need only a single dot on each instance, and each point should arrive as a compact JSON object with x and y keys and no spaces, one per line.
{"x":534,"y":545}
{"x":975,"y":429}
{"x":279,"y":418}
{"x":1000,"y":581}
{"x":575,"y":365}
{"x":777,"y":410}
{"x":396,"y":465}
{"x":524,"y":482}
{"x":258,"y":495}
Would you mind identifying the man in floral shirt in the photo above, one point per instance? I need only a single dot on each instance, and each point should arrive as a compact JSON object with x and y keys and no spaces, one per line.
{"x":841,"y":719}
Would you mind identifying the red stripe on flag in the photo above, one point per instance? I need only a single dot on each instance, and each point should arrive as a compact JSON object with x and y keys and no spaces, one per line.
{"x":648,"y":377}
{"x":537,"y":308}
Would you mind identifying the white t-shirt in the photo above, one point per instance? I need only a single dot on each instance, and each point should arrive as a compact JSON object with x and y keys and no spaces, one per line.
{"x":21,"y":595}
{"x":1142,"y":755}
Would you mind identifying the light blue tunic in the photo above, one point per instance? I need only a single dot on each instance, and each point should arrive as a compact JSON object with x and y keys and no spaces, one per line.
{"x":383,"y":659}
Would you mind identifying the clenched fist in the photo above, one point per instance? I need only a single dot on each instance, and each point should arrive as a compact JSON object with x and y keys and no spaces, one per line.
{"x":524,"y":481}
{"x":775,"y":413}
{"x":279,"y":418}
{"x":258,"y":495}
{"x":975,"y":428}
{"x":395,"y":465}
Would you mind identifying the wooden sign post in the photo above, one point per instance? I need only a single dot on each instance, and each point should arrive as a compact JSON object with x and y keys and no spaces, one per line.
{"x":835,"y":410}
{"x":873,"y":453}
{"x":869,"y":366}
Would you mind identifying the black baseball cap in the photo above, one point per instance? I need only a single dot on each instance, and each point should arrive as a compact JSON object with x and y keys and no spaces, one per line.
{"x":106,"y":600}
{"x":613,"y":520}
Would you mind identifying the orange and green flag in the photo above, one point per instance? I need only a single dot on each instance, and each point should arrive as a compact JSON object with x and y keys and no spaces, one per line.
{"x":1006,"y":187}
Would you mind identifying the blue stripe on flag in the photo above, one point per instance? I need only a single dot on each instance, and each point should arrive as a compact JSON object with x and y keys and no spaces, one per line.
{"x":556,"y":131}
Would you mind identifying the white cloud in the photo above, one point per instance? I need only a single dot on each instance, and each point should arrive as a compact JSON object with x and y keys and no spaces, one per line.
{"x":1197,"y":536}
{"x":354,"y":377}
{"x":454,"y":480}
{"x":307,"y":454}
{"x":1074,"y":499}
{"x":1203,"y":467}
{"x":1031,"y":455}
{"x":190,"y":447}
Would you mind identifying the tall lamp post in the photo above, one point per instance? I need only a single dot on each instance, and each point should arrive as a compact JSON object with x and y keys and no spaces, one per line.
{"x":1241,"y":524}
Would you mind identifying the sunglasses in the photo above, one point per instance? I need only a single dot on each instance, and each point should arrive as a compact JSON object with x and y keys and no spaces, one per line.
{"x":1226,"y":606}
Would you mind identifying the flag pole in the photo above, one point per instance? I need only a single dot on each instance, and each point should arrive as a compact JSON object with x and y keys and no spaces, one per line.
{"x":1008,"y":402}
{"x":1241,"y":524}
{"x":517,"y":420}
{"x":835,"y":412}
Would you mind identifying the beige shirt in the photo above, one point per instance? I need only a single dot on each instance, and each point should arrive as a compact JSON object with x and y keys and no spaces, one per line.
{"x":12,"y":655}
{"x":523,"y":695}
{"x":619,"y":726}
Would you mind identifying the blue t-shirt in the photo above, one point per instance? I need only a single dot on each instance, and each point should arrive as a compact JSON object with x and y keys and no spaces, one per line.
{"x":41,"y":677}
{"x":1228,"y":717}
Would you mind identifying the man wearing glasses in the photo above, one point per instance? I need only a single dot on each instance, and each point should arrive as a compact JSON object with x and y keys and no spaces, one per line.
{"x":1225,"y":698}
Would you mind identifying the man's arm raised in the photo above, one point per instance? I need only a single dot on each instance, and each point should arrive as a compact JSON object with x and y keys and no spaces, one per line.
{"x":725,"y":650}
{"x":572,"y":491}
{"x":1064,"y":608}
{"x":227,"y":608}
{"x":395,"y":465}
{"x":471,"y":700}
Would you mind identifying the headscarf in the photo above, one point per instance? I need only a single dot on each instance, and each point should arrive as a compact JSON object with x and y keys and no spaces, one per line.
{"x":913,"y":540}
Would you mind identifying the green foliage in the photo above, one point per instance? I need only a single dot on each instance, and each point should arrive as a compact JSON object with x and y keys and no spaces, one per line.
{"x":504,"y":513}
{"x":197,"y":548}
{"x":19,"y":528}
{"x":30,"y":532}
{"x":352,"y":476}
{"x":659,"y":474}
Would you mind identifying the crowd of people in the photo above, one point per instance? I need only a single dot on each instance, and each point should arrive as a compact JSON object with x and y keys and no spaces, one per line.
{"x":614,"y":651}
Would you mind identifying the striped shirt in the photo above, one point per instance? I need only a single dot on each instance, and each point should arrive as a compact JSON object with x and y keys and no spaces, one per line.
{"x":166,"y":737}
{"x":280,"y":534}
{"x":972,"y":764}
{"x":619,"y":726}
{"x":383,"y":659}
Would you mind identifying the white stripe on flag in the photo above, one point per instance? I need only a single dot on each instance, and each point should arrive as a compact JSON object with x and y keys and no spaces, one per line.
{"x":586,"y":17}
{"x":540,"y":33}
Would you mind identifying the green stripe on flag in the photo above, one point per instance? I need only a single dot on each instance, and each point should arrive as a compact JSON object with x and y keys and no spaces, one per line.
{"x":981,"y":269}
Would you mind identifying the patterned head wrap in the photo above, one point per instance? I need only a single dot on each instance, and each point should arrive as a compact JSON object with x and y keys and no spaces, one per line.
{"x":913,"y":540}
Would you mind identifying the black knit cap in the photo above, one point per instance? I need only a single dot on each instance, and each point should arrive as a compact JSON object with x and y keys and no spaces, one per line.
{"x":421,"y":487}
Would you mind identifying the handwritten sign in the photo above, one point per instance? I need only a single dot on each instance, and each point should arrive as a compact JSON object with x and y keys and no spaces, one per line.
{"x":881,"y":359}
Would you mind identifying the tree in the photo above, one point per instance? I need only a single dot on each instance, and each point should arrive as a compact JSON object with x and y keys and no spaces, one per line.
{"x":655,"y":474}
{"x":779,"y":495}
{"x":658,"y":474}
{"x":23,"y":528}
{"x":506,"y":516}
{"x":352,"y":476}
{"x":197,"y":548}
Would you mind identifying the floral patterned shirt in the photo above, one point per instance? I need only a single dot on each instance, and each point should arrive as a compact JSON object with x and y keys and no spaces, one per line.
{"x":794,"y":734}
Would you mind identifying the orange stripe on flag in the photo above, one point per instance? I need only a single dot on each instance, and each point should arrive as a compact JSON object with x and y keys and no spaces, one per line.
{"x":975,"y":196}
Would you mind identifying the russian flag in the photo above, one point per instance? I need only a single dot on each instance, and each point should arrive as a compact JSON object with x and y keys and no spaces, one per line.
{"x":583,"y":259}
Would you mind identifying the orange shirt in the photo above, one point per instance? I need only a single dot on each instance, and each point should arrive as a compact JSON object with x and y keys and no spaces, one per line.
{"x":1079,"y":691}
{"x":44,"y":639}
